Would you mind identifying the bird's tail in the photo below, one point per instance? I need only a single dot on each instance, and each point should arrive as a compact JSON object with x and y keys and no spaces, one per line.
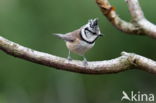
{"x":58,"y":35}
{"x":65,"y":37}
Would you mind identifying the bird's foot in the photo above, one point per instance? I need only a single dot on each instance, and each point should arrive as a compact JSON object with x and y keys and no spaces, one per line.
{"x":85,"y":62}
{"x":69,"y":58}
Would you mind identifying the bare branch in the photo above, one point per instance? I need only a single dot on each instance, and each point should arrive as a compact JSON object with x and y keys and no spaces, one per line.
{"x":119,"y":64}
{"x":135,"y":10}
{"x":140,"y":24}
{"x":141,"y":62}
{"x":138,"y":17}
{"x":109,"y":11}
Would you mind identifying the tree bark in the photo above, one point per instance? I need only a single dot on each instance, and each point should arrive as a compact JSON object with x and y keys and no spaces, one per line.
{"x":124,"y":62}
{"x":139,"y":25}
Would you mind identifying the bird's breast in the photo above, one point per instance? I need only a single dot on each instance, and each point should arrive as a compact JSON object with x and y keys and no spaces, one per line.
{"x":79,"y":46}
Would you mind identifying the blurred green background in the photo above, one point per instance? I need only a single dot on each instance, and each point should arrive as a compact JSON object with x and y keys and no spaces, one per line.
{"x":31,"y":23}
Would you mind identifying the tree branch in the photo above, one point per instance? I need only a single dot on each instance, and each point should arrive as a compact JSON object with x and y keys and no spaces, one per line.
{"x":109,"y":11}
{"x":119,"y":64}
{"x":138,"y":17}
{"x":140,"y":24}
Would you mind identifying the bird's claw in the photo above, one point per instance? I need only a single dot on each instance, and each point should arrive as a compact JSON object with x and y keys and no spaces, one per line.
{"x":85,"y":62}
{"x":69,"y":58}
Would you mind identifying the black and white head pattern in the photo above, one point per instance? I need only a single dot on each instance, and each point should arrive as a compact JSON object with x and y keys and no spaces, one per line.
{"x":91,"y":31}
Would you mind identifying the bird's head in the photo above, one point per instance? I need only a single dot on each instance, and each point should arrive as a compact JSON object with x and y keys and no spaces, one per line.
{"x":91,"y":30}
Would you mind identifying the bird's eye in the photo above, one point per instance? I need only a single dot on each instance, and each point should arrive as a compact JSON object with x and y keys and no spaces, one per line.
{"x":87,"y":30}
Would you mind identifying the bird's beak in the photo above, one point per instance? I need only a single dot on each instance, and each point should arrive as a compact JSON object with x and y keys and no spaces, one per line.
{"x":100,"y":35}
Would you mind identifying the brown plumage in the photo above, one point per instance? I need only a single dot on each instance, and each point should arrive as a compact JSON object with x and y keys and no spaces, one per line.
{"x":81,"y":40}
{"x":74,"y":42}
{"x":70,"y":37}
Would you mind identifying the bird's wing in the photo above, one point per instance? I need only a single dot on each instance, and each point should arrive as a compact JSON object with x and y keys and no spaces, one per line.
{"x":66,"y":37}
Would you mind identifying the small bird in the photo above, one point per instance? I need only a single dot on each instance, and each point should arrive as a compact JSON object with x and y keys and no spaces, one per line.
{"x":83,"y":39}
